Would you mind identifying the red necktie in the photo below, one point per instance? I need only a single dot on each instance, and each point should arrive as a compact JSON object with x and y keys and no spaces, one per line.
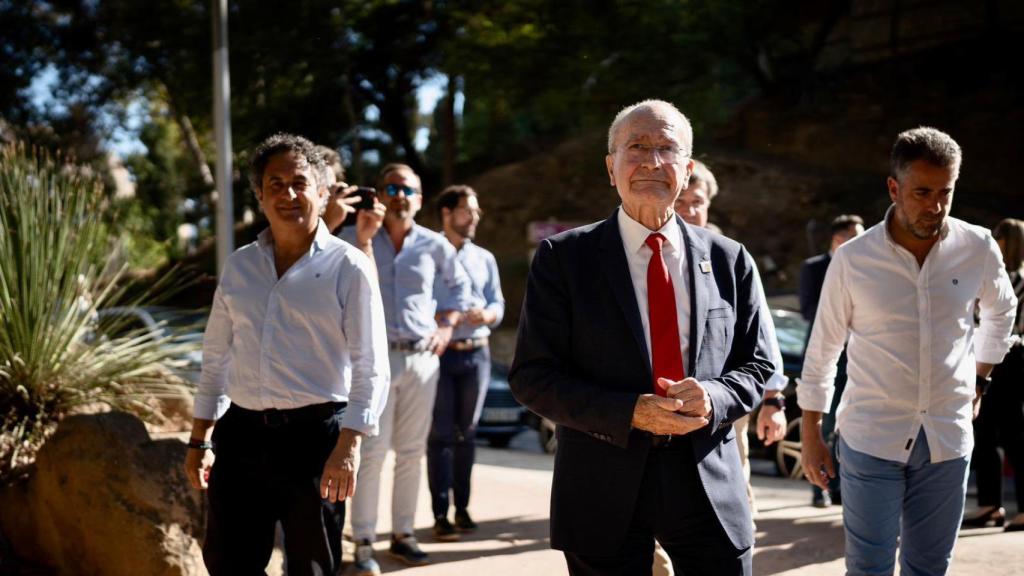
{"x":666,"y":353}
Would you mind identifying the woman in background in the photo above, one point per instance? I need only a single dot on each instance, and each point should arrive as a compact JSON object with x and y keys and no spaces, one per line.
{"x":1001,"y":421}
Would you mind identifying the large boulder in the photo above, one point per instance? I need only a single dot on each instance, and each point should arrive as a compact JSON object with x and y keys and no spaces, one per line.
{"x":106,"y":498}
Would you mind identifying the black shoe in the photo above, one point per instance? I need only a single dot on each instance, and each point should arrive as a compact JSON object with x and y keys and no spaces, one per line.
{"x":821,"y":500}
{"x":993,"y":517}
{"x":463,"y":522}
{"x":444,"y":531}
{"x":406,"y":549}
{"x":837,"y":497}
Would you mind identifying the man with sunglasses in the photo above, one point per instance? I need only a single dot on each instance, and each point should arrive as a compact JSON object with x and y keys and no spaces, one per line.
{"x":424,"y":288}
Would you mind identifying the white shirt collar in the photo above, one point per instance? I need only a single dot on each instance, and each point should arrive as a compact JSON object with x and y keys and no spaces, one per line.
{"x":890,"y":213}
{"x":634,"y":234}
{"x":265,"y":239}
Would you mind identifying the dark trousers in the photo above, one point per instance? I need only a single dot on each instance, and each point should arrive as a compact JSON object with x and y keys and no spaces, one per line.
{"x":1001,"y":423}
{"x":450,"y":446}
{"x":673,"y":508}
{"x":268,"y":471}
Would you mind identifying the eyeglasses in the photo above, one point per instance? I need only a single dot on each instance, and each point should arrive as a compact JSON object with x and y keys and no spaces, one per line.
{"x":668,"y":154}
{"x":393,"y":190}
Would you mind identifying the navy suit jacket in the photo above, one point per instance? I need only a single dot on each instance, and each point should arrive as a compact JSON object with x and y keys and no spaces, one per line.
{"x":812,"y":278}
{"x":581,"y":360}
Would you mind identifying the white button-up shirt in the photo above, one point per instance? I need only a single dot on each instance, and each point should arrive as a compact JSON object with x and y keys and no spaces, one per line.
{"x":315,"y":335}
{"x":638,"y":256}
{"x":910,"y":327}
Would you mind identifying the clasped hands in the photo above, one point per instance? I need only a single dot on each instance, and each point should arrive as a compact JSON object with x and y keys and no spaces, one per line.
{"x":685,"y":407}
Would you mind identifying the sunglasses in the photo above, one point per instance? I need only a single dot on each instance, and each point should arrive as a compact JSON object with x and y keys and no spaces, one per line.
{"x":393,"y":190}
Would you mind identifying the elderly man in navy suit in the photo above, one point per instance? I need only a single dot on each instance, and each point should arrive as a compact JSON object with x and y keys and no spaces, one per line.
{"x":640,"y":339}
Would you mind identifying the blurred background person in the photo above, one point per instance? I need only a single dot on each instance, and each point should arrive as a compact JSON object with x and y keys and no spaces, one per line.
{"x":694,"y":201}
{"x":693,"y":206}
{"x":465,"y":367}
{"x":812,"y":276}
{"x":1001,"y":419}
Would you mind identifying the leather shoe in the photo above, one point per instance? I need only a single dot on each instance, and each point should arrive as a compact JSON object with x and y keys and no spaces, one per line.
{"x":993,"y":517}
{"x":821,"y":500}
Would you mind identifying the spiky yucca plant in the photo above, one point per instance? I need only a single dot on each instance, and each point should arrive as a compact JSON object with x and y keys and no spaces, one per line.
{"x":53,"y":277}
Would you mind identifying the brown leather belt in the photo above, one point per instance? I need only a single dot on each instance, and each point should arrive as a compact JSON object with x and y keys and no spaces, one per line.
{"x":467,"y":344}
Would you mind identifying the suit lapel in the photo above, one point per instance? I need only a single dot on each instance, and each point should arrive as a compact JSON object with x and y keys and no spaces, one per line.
{"x":616,"y":272}
{"x":700,"y":289}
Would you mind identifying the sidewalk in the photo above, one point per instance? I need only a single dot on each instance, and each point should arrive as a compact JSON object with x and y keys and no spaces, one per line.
{"x":511,"y":490}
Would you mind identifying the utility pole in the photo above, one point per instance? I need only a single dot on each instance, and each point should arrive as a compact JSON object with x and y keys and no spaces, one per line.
{"x":225,"y":227}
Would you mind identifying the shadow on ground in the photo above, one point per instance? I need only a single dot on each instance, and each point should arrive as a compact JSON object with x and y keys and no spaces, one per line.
{"x":788,"y":543}
{"x":492,"y":538}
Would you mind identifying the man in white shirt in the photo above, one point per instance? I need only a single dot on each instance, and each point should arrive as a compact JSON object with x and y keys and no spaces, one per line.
{"x":904,"y":295}
{"x":295,"y":373}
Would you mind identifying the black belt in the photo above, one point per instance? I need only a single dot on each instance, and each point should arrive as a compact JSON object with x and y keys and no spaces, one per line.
{"x":668,"y":441}
{"x":274,"y":418}
{"x":408,"y":345}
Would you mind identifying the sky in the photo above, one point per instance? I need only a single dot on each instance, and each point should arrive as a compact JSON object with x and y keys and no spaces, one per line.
{"x":123,"y":138}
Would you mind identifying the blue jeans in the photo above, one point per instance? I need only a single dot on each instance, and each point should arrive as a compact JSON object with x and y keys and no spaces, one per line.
{"x":450,"y":446}
{"x":919,"y":502}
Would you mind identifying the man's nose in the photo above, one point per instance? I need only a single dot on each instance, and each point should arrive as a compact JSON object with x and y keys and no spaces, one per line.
{"x":292,"y":193}
{"x":652,"y":159}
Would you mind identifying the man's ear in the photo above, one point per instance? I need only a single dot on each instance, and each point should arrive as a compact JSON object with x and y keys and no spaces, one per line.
{"x":609,"y":161}
{"x":894,"y":187}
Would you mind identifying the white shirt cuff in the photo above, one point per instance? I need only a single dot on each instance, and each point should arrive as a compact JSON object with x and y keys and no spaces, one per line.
{"x":814,"y":397}
{"x":210,"y":407}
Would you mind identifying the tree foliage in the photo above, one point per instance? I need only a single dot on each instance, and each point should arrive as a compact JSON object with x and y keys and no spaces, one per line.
{"x":345,"y":73}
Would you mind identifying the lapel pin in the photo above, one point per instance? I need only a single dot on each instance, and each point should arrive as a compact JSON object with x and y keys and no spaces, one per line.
{"x":705,"y":266}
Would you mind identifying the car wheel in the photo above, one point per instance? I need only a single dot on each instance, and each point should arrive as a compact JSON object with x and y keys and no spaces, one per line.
{"x":548,"y":440}
{"x":499,"y":441}
{"x":787,"y":452}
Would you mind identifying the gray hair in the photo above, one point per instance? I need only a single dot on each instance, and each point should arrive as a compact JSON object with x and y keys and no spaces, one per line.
{"x":283,"y":142}
{"x":924,"y":143}
{"x":656,"y":107}
{"x":701,"y":173}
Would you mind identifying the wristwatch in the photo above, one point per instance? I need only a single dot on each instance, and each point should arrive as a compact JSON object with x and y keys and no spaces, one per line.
{"x":982,"y":383}
{"x":776,"y":401}
{"x":200,"y":444}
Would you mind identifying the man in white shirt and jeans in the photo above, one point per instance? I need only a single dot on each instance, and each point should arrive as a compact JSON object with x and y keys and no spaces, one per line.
{"x":295,"y":374}
{"x":904,"y":295}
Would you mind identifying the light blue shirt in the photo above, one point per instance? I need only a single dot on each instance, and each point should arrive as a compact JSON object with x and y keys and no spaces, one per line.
{"x":485,"y":289}
{"x":416,"y":282}
{"x":314,"y":335}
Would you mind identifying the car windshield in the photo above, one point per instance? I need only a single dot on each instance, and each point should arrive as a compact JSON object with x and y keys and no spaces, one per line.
{"x":791,"y":331}
{"x":186,"y":324}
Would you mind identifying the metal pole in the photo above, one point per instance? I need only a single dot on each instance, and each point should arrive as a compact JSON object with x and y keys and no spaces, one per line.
{"x":222,"y":131}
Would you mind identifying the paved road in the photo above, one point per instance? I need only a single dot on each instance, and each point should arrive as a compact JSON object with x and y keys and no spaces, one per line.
{"x":510,"y":501}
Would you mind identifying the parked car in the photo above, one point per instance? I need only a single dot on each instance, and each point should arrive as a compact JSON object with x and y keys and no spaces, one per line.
{"x":182,"y":325}
{"x":791,"y":332}
{"x":503,"y":416}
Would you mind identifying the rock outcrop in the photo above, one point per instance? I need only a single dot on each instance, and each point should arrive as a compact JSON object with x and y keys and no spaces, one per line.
{"x":106,"y":498}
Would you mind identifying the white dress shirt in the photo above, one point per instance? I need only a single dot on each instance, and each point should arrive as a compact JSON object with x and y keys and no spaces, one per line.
{"x":910,"y":328}
{"x":638,"y":255}
{"x":315,"y":335}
